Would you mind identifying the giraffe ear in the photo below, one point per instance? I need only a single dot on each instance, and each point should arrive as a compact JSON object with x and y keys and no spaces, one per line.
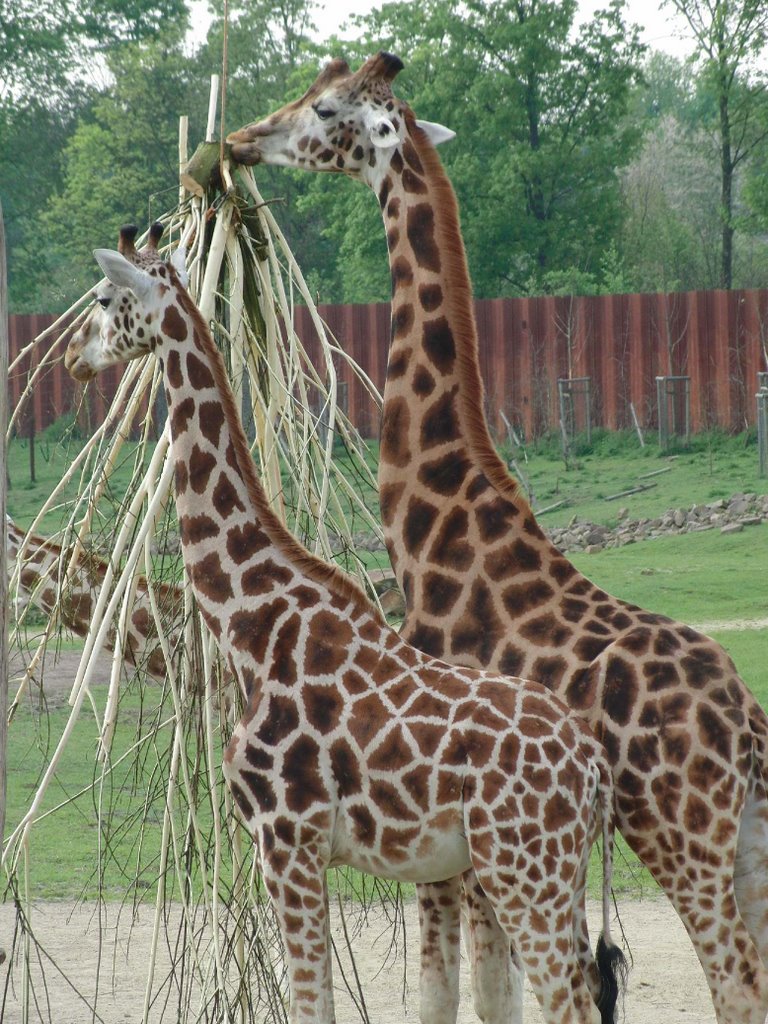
{"x":122,"y":273}
{"x":382,"y":133}
{"x":436,"y":133}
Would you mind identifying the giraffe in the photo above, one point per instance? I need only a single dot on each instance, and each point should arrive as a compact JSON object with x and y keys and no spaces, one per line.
{"x":484,"y":587}
{"x":41,"y":563}
{"x":354,"y":747}
{"x":38,"y":580}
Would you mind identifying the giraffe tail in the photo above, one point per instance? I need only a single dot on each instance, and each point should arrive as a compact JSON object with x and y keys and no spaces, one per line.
{"x":611,"y":963}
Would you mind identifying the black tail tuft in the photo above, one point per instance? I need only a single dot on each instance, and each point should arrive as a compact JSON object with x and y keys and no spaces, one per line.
{"x":614,"y":971}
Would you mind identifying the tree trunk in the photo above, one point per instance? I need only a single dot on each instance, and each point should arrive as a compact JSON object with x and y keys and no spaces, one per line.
{"x":726,"y":195}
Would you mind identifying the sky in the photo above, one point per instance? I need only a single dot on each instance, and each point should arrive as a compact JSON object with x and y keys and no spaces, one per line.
{"x":662,"y":30}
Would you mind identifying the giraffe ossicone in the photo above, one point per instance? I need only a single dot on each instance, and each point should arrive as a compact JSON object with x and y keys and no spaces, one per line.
{"x":687,"y":741}
{"x":355,"y":748}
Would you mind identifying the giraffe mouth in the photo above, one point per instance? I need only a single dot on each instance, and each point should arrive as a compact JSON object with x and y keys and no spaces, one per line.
{"x":245,"y":147}
{"x":78,"y":368}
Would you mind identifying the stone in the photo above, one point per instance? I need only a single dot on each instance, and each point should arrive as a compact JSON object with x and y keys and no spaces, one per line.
{"x":738,"y":504}
{"x":597,"y":535}
{"x":732,"y":528}
{"x":721,"y":513}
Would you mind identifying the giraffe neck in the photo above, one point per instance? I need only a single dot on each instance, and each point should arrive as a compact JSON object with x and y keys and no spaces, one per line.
{"x":238,"y":555}
{"x":435,"y":444}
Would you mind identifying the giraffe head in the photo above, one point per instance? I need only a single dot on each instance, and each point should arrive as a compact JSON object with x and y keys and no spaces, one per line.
{"x":125,"y":320}
{"x":346,"y":122}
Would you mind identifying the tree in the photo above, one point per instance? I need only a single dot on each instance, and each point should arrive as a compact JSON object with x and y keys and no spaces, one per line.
{"x":731,"y":36}
{"x":671,"y":220}
{"x":120,"y":164}
{"x":51,"y":71}
{"x":48,"y":47}
{"x":539,"y":117}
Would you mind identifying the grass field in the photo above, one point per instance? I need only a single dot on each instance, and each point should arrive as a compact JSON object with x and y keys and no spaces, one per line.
{"x":699,"y":578}
{"x":715,"y":466}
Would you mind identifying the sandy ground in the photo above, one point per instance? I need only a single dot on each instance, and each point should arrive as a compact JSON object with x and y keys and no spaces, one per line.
{"x":666,"y":984}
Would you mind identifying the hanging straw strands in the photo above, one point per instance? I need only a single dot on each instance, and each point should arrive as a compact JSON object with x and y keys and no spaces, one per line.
{"x":164,"y":816}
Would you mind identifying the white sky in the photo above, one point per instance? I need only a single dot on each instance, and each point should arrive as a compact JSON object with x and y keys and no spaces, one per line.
{"x":662,"y":30}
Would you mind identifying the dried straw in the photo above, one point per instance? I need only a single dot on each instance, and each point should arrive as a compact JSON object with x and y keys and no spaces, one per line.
{"x":208,"y":903}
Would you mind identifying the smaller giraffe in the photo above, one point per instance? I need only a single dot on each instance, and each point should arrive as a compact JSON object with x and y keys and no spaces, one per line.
{"x":38,"y":580}
{"x":41,"y":564}
{"x":355,"y":748}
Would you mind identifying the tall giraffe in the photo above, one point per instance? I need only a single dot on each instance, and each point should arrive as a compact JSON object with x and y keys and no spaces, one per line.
{"x":355,"y":748}
{"x":483,"y":585}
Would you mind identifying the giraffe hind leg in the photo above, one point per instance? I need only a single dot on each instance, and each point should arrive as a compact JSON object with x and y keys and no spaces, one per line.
{"x":541,"y":931}
{"x":550,"y":963}
{"x":751,"y":868}
{"x":737,"y":978}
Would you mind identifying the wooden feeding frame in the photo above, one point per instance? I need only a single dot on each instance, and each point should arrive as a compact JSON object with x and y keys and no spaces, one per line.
{"x":673,"y":401}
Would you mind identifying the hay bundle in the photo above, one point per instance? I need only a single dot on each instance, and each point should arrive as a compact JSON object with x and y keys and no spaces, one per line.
{"x":161,"y":818}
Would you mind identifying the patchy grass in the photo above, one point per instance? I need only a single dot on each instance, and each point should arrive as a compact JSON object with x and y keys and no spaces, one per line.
{"x":715,"y":466}
{"x":704,"y":577}
{"x":697,"y":577}
{"x":71,"y":853}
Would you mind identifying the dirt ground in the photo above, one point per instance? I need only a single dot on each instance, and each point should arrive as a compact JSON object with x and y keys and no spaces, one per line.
{"x":666,"y":984}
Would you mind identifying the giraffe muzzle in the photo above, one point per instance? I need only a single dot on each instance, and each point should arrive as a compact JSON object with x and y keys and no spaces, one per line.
{"x":77,"y":367}
{"x":245,"y":143}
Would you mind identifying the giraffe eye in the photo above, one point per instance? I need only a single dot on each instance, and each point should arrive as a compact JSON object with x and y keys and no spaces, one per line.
{"x":103,"y":301}
{"x":323,"y":112}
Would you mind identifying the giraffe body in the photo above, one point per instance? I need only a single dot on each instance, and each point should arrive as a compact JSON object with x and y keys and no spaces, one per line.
{"x":355,"y":748}
{"x":484,"y":587}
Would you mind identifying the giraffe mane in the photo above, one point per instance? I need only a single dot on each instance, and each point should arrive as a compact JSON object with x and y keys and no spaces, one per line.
{"x":459,"y":299}
{"x":308,"y":564}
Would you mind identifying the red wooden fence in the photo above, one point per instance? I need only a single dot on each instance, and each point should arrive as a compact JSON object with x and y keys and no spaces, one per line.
{"x":621,"y":342}
{"x":53,"y":392}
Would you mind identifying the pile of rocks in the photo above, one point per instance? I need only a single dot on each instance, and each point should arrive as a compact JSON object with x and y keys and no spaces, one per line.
{"x":728,"y":515}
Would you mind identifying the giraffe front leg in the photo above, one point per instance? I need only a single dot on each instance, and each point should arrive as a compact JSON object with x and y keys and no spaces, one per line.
{"x":497,"y":973}
{"x":440,"y":933}
{"x":295,"y":880}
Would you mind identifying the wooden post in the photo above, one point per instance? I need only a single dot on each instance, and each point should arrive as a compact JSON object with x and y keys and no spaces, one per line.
{"x":4,"y":604}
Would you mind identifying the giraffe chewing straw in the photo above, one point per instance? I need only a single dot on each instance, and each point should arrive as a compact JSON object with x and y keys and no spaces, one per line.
{"x":686,"y":740}
{"x":355,"y":748}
